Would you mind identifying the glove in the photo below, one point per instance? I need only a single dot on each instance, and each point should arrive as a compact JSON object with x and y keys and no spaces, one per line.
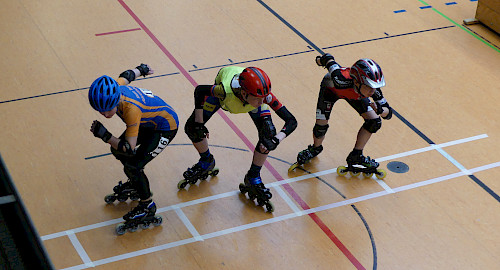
{"x":322,"y":60}
{"x":200,"y":130}
{"x":144,"y":69}
{"x":271,"y":143}
{"x":100,"y":131}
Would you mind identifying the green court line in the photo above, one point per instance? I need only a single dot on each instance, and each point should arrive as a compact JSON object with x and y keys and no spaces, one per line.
{"x":463,"y":28}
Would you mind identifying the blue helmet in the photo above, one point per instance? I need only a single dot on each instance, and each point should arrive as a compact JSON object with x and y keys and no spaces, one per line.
{"x":104,"y":94}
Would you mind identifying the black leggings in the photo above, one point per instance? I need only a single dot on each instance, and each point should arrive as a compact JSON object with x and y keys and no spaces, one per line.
{"x":150,"y":144}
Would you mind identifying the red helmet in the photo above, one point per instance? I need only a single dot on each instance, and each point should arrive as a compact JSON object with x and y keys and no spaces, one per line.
{"x":255,"y":81}
{"x":366,"y":71}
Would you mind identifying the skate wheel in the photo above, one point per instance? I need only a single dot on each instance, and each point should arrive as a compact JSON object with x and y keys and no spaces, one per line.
{"x":145,"y":225}
{"x":157,"y":221}
{"x":260,"y":202}
{"x":381,"y":174}
{"x":270,"y":207}
{"x":122,"y":198}
{"x":121,"y":229}
{"x":134,"y":196}
{"x":243,"y":189}
{"x":341,"y":170}
{"x":214,"y":172}
{"x":368,"y":175}
{"x":354,"y":174}
{"x":133,"y":228}
{"x":110,"y":198}
{"x":293,"y":167}
{"x":182,"y":184}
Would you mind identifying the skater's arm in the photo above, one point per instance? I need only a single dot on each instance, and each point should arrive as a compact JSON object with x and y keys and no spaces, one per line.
{"x":126,"y":145}
{"x":283,"y":113}
{"x":381,"y":106}
{"x":290,"y":122}
{"x":201,"y":92}
{"x":130,"y":75}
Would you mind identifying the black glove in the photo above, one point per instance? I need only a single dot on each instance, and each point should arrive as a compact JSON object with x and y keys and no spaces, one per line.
{"x":323,"y":60}
{"x":100,"y":131}
{"x":200,"y":130}
{"x":144,"y":69}
{"x":271,"y":143}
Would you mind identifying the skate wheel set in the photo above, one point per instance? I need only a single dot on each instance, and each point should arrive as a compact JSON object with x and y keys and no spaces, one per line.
{"x":261,"y":196}
{"x":367,"y":172}
{"x":111,"y":198}
{"x":184,"y":182}
{"x":133,"y":225}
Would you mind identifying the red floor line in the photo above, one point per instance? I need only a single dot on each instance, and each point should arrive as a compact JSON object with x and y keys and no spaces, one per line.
{"x":117,"y":32}
{"x":278,"y":177}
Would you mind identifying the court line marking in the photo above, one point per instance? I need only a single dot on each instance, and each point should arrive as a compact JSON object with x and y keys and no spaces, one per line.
{"x":285,"y":217}
{"x":79,"y":249}
{"x":188,"y":224}
{"x":287,"y":199}
{"x":268,"y":185}
{"x":463,"y":28}
{"x":117,"y":32}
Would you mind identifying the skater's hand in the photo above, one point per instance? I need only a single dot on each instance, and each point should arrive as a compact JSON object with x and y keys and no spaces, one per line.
{"x":324,"y":59}
{"x":269,"y":144}
{"x":145,"y":69}
{"x":100,"y":131}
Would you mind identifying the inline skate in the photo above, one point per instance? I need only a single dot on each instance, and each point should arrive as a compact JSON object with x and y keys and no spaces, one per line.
{"x":357,"y":164}
{"x":199,"y":171}
{"x":122,"y":192}
{"x":305,"y":156}
{"x":257,"y":190}
{"x":143,"y":215}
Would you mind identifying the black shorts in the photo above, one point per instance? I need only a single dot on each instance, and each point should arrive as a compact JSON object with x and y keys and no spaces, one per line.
{"x":327,"y":99}
{"x":150,"y":143}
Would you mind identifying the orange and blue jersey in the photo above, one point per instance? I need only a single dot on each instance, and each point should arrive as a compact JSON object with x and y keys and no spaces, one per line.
{"x":140,"y":108}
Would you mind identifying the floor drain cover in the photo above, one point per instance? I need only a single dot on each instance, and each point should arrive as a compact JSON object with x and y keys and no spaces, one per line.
{"x":397,"y":167}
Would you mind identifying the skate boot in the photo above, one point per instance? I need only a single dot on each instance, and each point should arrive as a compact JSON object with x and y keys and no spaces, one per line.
{"x":306,"y":155}
{"x":199,"y":171}
{"x":257,"y":190}
{"x":122,"y":192}
{"x":357,"y":164}
{"x":143,"y":215}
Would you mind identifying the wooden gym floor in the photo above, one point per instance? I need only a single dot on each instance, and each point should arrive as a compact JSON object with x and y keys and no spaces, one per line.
{"x":442,"y":80}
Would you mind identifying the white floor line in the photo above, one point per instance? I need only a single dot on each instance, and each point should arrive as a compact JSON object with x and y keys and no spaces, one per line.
{"x":384,"y":185}
{"x":284,"y":217}
{"x":269,"y":185}
{"x":429,"y":148}
{"x":452,"y":160}
{"x":288,"y":201}
{"x":188,"y":224}
{"x":79,"y":249}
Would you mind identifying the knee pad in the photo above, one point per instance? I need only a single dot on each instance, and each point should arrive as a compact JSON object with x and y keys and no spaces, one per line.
{"x":257,"y":148}
{"x":190,"y":131}
{"x":320,"y":131}
{"x":372,"y":125}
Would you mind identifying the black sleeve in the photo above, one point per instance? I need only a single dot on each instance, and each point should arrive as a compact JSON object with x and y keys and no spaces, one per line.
{"x":290,"y":121}
{"x":200,"y":92}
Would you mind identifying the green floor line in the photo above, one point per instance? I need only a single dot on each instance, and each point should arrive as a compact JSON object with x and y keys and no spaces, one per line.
{"x":463,"y":28}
